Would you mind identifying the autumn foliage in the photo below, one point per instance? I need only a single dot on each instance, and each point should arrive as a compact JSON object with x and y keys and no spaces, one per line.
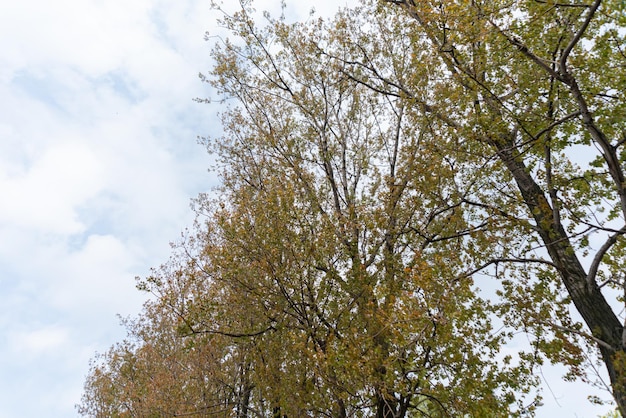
{"x":404,"y":188}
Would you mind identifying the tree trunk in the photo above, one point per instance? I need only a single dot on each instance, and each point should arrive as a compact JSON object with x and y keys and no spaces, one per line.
{"x":585,"y":294}
{"x":386,"y":406}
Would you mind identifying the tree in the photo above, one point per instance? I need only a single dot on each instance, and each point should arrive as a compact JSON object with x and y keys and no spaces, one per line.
{"x":533,"y":84}
{"x":157,"y":371}
{"x":329,"y":277}
{"x":374,"y":166}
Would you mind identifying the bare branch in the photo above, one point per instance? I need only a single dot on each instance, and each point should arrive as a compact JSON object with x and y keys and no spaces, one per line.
{"x":506,"y":260}
{"x":557,"y":123}
{"x":563,"y":4}
{"x":578,"y":332}
{"x":234,"y":334}
{"x":526,"y":51}
{"x":578,"y":36}
{"x":593,"y":270}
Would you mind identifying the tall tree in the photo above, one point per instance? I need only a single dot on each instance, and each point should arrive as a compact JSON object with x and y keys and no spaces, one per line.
{"x":371,"y":227}
{"x":539,"y":86}
{"x":373,"y":166}
{"x":330,"y":277}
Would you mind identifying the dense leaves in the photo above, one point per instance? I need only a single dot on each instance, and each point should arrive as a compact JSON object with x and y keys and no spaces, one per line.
{"x":540,"y":86}
{"x":375,"y":168}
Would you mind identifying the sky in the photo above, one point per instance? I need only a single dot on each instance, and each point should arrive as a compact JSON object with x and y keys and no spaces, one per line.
{"x":98,"y":163}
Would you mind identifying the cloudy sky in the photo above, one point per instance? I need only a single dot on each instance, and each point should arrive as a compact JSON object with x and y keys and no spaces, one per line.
{"x":98,"y":162}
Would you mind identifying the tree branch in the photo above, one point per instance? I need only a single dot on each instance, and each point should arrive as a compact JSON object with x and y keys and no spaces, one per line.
{"x":578,"y":36}
{"x":562,"y":4}
{"x":526,"y":51}
{"x":234,"y":334}
{"x":593,"y":270}
{"x":505,"y":260}
{"x":577,"y":332}
{"x":557,"y":123}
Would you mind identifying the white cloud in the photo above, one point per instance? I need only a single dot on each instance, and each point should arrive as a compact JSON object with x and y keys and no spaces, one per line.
{"x":93,"y":36}
{"x":46,"y":195}
{"x":39,"y":341}
{"x":98,"y":162}
{"x":94,"y":276}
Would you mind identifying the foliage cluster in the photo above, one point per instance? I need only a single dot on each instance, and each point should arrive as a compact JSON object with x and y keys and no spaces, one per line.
{"x":375,"y":167}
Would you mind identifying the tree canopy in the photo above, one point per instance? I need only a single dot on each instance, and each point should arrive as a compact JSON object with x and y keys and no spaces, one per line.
{"x":404,"y":187}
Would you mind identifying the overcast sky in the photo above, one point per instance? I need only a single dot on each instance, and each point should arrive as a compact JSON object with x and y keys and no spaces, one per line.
{"x":98,"y":162}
